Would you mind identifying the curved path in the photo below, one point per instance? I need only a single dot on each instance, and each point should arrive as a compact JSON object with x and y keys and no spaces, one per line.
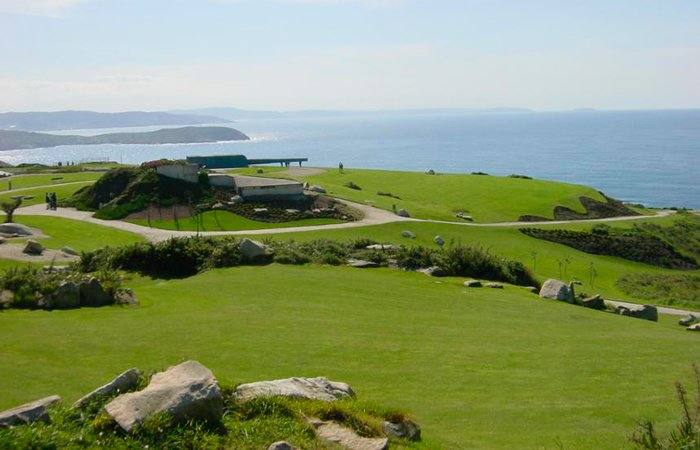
{"x":372,"y":216}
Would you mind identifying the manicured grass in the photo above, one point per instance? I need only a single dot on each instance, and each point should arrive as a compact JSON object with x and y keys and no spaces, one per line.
{"x":27,"y":181}
{"x":226,"y":221}
{"x":479,"y":368}
{"x":76,"y":234}
{"x":485,"y":198}
{"x":63,"y":191}
{"x":542,"y":257}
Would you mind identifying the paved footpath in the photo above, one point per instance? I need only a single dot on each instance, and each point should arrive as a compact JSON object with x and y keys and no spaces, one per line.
{"x":371,"y":216}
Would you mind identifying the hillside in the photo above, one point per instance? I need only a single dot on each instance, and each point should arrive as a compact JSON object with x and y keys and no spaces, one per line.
{"x":16,"y":140}
{"x":76,"y":120}
{"x":482,"y":197}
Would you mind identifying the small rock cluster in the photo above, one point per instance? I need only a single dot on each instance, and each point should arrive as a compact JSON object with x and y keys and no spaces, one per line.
{"x":558,"y":290}
{"x":691,"y":322}
{"x":189,"y":391}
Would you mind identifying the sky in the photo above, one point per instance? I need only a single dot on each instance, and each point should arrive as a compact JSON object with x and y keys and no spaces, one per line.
{"x":113,"y":55}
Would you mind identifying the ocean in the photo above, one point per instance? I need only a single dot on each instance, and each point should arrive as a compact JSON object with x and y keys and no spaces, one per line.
{"x":649,"y":157}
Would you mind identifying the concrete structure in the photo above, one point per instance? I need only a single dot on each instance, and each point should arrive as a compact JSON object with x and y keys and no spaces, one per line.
{"x":256,"y":188}
{"x":222,"y":180}
{"x":185,"y":172}
{"x":236,"y":161}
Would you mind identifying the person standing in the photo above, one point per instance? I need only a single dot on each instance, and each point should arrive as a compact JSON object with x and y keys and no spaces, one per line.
{"x":340,"y":167}
{"x":47,"y":199}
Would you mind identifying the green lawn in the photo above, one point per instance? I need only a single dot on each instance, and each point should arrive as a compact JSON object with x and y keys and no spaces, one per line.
{"x":227,"y":221}
{"x":511,"y":243}
{"x":485,"y":198}
{"x":27,"y":181}
{"x":76,"y":234}
{"x":478,"y":368}
{"x":63,"y":191}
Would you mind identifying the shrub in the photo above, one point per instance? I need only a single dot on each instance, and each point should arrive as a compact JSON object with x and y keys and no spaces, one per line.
{"x":388,"y":194}
{"x":27,"y":284}
{"x":413,"y":258}
{"x":687,"y":432}
{"x":352,"y":185}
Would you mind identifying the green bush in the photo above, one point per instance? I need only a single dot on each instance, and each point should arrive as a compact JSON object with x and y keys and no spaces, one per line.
{"x":352,"y":185}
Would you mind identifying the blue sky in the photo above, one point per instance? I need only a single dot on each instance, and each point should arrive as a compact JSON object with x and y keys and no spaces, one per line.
{"x":349,"y":54}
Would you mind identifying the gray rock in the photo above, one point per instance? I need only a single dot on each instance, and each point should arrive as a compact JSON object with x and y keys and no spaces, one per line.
{"x":317,"y":188}
{"x":186,"y":391}
{"x":308,"y":388}
{"x":252,"y":250}
{"x":125,"y":297}
{"x":218,"y":205}
{"x":408,"y":234}
{"x":280,"y":445}
{"x":403,"y":213}
{"x":93,"y":294}
{"x":493,"y":285}
{"x":381,"y":247}
{"x":124,"y":382}
{"x":33,"y":247}
{"x":463,"y":216}
{"x":15,"y":228}
{"x":361,"y":264}
{"x":236,"y":199}
{"x":335,"y":433}
{"x":439,"y":240}
{"x":260,"y":210}
{"x":472,"y":283}
{"x":406,"y":429}
{"x":69,"y":251}
{"x":646,"y":312}
{"x":688,"y":320}
{"x":2,"y":240}
{"x":35,"y":411}
{"x":433,"y":271}
{"x":6,"y":298}
{"x":595,"y":302}
{"x":56,"y":269}
{"x":67,"y":295}
{"x":292,"y":211}
{"x":557,"y":290}
{"x":695,"y":327}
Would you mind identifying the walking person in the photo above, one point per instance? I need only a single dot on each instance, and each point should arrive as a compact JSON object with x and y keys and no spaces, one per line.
{"x":53,"y":201}
{"x":340,"y":167}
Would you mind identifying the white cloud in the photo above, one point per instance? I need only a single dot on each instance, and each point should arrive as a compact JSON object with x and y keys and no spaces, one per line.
{"x":37,"y":7}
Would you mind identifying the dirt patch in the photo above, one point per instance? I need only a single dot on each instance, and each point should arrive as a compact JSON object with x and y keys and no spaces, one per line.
{"x":594,"y":210}
{"x":14,"y":251}
{"x":162,"y":213}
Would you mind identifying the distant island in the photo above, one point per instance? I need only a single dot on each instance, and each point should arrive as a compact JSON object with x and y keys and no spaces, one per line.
{"x":77,"y":120}
{"x":18,"y":140}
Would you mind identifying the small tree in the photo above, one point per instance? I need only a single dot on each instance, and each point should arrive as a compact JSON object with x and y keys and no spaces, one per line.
{"x":9,"y":208}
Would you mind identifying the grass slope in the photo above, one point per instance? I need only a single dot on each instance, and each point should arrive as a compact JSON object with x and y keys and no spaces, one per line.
{"x":485,"y":198}
{"x":511,"y":243}
{"x":63,"y":191}
{"x":226,"y":221}
{"x":27,"y":181}
{"x":76,"y":234}
{"x":479,"y":368}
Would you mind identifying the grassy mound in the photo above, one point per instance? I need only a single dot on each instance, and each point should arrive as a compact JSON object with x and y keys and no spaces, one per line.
{"x":254,"y":424}
{"x":442,"y":196}
{"x":123,"y":191}
{"x":478,"y":368}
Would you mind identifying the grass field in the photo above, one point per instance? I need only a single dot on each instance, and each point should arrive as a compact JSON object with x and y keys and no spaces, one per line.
{"x":27,"y":181}
{"x":478,"y":368}
{"x":485,"y":198}
{"x":63,"y":191}
{"x":76,"y":234}
{"x":545,"y":259}
{"x":226,"y":221}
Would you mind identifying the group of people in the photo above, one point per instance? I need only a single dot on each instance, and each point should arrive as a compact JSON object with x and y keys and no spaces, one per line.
{"x":51,"y":202}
